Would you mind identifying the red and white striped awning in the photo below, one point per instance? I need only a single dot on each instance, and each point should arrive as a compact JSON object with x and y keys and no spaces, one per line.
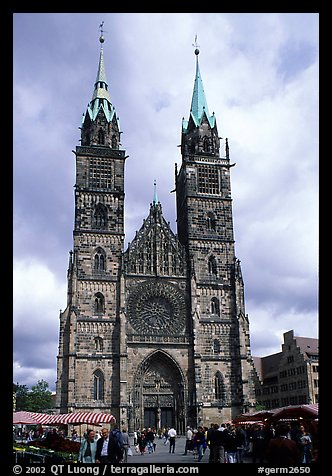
{"x":84,"y":417}
{"x":62,"y":418}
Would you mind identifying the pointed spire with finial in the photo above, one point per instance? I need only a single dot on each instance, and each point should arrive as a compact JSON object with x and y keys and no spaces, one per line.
{"x":199,"y":104}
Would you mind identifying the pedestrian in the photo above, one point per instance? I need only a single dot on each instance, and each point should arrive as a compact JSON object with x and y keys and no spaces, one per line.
{"x":102,"y":447}
{"x":217,"y":442}
{"x":208,"y":435}
{"x":241,"y":443}
{"x":115,"y":446}
{"x":304,"y":442}
{"x":88,"y":448}
{"x":149,"y":440}
{"x":258,"y":444}
{"x":281,"y":450}
{"x":126,"y":445}
{"x":135,"y":438}
{"x":172,"y":436}
{"x":165,"y":436}
{"x":199,"y":442}
{"x":231,"y":444}
{"x":141,"y":441}
{"x":189,"y":443}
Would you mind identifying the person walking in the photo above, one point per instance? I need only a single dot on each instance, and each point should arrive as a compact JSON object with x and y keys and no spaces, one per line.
{"x":172,"y":436}
{"x":304,"y":442}
{"x":115,"y":446}
{"x":231,"y":444}
{"x":199,"y":442}
{"x":126,"y":445}
{"x":189,"y":443}
{"x":88,"y":448}
{"x":102,"y":447}
{"x":217,"y":442}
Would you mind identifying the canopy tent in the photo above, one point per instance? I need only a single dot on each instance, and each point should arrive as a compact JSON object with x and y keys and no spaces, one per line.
{"x":292,"y":412}
{"x":63,"y":418}
{"x":83,"y":417}
{"x":297,"y":411}
{"x":254,"y":417}
{"x":24,"y":418}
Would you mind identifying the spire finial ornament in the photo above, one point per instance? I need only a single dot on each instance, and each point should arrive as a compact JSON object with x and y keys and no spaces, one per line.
{"x":101,"y":38}
{"x":155,"y":197}
{"x":196,"y":46}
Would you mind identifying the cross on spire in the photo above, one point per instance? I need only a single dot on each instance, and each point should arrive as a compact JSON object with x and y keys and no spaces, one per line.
{"x":101,"y":38}
{"x":196,"y":46}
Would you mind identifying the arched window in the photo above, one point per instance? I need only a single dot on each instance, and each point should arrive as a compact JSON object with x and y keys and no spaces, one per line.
{"x":212,"y":266}
{"x":99,"y":345}
{"x":99,"y":304}
{"x":114,"y":142}
{"x":99,"y":260}
{"x":100,"y":216}
{"x":211,"y":221}
{"x":215,"y":306}
{"x":98,"y":385}
{"x":219,"y":386}
{"x":101,"y":137}
{"x":206,"y":144}
{"x":216,"y":347}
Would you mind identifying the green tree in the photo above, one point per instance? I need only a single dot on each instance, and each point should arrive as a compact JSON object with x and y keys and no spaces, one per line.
{"x":38,"y":399}
{"x":22,"y":397}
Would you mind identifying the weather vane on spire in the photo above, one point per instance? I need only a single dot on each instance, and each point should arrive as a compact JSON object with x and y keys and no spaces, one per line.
{"x":101,"y":38}
{"x":196,"y":46}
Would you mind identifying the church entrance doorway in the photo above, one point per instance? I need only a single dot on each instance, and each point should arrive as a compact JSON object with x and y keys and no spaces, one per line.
{"x":159,"y":394}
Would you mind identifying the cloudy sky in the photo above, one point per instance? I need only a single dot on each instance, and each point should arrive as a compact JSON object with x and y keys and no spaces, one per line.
{"x":260,"y":75}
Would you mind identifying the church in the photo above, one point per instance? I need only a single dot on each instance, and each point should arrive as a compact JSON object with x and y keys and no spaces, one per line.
{"x":157,"y":333}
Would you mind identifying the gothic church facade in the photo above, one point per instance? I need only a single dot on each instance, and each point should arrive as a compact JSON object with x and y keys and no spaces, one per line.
{"x":156,"y":334}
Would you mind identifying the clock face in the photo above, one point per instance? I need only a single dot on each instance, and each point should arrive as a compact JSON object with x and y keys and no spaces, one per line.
{"x":157,"y":307}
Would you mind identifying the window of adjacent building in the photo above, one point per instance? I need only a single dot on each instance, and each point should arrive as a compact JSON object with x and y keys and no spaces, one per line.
{"x":99,"y":303}
{"x":215,"y":306}
{"x":98,"y":385}
{"x":208,"y":180}
{"x":100,"y":173}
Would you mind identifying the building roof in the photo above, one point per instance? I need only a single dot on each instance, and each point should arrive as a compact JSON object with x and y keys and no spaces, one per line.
{"x":307,"y":344}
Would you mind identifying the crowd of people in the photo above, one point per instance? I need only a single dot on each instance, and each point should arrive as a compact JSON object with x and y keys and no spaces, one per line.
{"x":227,"y":443}
{"x":282,"y":444}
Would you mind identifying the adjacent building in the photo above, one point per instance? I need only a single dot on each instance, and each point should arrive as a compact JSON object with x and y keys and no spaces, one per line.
{"x":157,"y":334}
{"x":289,"y":377}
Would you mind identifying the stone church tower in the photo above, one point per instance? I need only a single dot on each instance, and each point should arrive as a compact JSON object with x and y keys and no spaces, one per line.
{"x":156,"y":334}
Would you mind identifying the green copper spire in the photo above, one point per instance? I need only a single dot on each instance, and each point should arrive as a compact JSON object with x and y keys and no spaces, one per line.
{"x":101,"y":97}
{"x":198,"y":102}
{"x":101,"y":86}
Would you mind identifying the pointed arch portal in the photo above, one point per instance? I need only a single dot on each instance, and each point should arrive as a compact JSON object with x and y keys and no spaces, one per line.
{"x":159,"y":393}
